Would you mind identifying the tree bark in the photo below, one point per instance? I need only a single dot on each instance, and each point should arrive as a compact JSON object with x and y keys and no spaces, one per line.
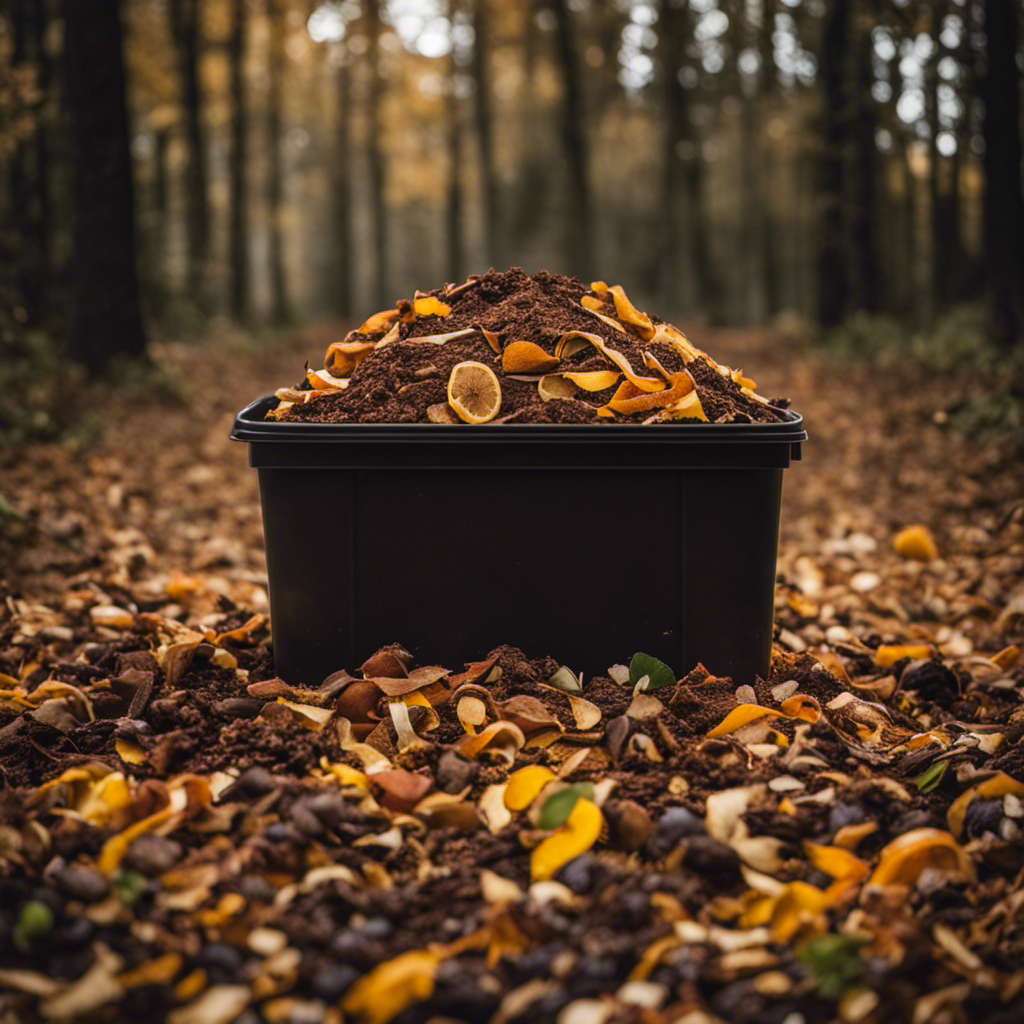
{"x":455,"y":255}
{"x":1004,"y":207}
{"x":106,"y":318}
{"x":343,"y":192}
{"x":184,"y":16}
{"x":279,"y":309}
{"x":375,"y":154}
{"x":579,"y":227}
{"x":238,"y":170}
{"x":833,"y":292}
{"x":485,"y":133}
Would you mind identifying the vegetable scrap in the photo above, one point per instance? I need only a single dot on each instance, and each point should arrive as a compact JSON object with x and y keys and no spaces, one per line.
{"x":187,"y":836}
{"x":506,"y":347}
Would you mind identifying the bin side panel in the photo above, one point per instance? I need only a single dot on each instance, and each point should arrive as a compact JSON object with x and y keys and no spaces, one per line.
{"x":731,"y":519}
{"x":308,"y":529}
{"x":580,"y":565}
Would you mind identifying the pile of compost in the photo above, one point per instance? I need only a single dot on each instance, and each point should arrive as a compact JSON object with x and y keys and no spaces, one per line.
{"x":507,"y":347}
{"x":187,"y":836}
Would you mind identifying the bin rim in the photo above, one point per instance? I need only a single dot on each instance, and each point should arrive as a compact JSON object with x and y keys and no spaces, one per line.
{"x":250,"y":426}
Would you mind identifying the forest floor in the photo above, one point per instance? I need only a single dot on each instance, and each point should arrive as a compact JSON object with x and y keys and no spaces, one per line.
{"x":133,"y":646}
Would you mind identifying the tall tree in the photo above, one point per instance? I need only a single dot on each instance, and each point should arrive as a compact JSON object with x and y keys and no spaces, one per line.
{"x":579,"y":224}
{"x":455,"y":255}
{"x":1004,"y":207}
{"x":342,"y":176}
{"x":847,"y":255}
{"x":279,"y":310}
{"x":485,"y":131}
{"x":238,"y":168}
{"x":106,"y":319}
{"x":185,"y":31}
{"x":375,"y":152}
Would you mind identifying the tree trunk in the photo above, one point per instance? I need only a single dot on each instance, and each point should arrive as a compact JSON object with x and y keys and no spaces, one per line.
{"x":106,"y":319}
{"x":238,"y":170}
{"x":767,"y":81}
{"x":860,"y":188}
{"x":455,"y":255}
{"x":683,"y":280}
{"x":485,"y":134}
{"x":833,"y":293}
{"x":579,"y":226}
{"x":376,"y":158}
{"x":1004,"y":208}
{"x":936,"y":290}
{"x":343,"y":192}
{"x":184,"y":15}
{"x":279,"y":311}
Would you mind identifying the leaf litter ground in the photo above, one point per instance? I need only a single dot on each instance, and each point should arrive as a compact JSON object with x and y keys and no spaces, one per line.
{"x":187,"y":836}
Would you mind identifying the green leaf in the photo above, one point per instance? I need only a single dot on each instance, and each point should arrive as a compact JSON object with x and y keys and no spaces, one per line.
{"x":658,"y":672}
{"x":834,"y":962}
{"x":565,"y":679}
{"x":34,"y":922}
{"x":930,"y":778}
{"x":558,"y":806}
{"x":129,"y":885}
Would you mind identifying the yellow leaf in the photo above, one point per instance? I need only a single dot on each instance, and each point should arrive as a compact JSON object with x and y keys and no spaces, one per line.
{"x":116,"y":847}
{"x":999,"y":784}
{"x":903,"y":860}
{"x":579,"y":833}
{"x":739,"y":717}
{"x":889,"y":654}
{"x":392,"y":987}
{"x":836,"y":862}
{"x":799,"y":909}
{"x":129,"y":752}
{"x":916,"y":542}
{"x":525,"y":784}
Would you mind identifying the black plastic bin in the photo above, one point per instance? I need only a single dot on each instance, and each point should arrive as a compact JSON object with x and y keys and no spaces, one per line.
{"x":585,"y":543}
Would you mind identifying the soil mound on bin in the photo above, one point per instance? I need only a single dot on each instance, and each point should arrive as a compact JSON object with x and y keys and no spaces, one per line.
{"x":540,"y":348}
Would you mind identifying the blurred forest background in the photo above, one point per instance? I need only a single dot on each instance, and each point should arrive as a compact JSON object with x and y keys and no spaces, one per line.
{"x":851,"y":164}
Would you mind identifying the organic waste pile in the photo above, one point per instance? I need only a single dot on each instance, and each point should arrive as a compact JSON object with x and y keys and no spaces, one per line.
{"x":511,"y":348}
{"x":187,"y":837}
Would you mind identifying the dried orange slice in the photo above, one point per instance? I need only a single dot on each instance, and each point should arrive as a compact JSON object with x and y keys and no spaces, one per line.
{"x":527,"y":357}
{"x":474,"y":392}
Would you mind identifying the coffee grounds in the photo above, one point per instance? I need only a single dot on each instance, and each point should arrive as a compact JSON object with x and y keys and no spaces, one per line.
{"x":399,"y":381}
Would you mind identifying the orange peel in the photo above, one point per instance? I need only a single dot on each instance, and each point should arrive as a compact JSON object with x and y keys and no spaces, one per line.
{"x":593,"y":303}
{"x":579,"y":833}
{"x":629,"y":314}
{"x":527,"y":357}
{"x":593,"y":380}
{"x":392,"y":987}
{"x":889,"y":654}
{"x":800,"y":705}
{"x":613,"y":355}
{"x":554,"y":385}
{"x":431,"y":305}
{"x":344,"y":356}
{"x":916,"y":542}
{"x":903,"y":860}
{"x":525,"y":785}
{"x":629,"y":399}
